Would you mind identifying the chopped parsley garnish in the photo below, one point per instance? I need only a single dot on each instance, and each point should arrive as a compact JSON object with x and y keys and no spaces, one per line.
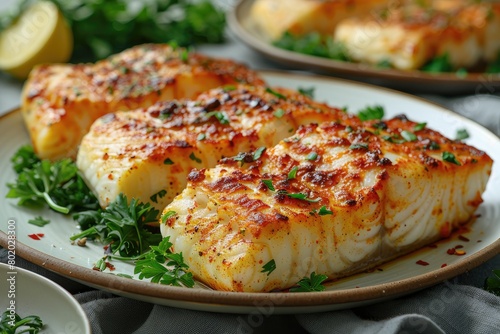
{"x":13,"y":323}
{"x":167,"y":215}
{"x":160,"y":194}
{"x":462,"y":134}
{"x":302,"y":196}
{"x":433,"y":146}
{"x":39,"y":221}
{"x":309,"y":92}
{"x":275,"y":93}
{"x":248,"y":157}
{"x":310,"y":284}
{"x":419,"y":126}
{"x":450,"y":157}
{"x":168,"y":161}
{"x":279,"y":113}
{"x":269,"y":184}
{"x":258,"y":153}
{"x":221,"y":116}
{"x":312,"y":156}
{"x":359,"y":146}
{"x":371,"y":112}
{"x":323,"y":211}
{"x":408,"y":136}
{"x":293,"y":173}
{"x":194,"y":158}
{"x":162,"y":266}
{"x":269,"y":267}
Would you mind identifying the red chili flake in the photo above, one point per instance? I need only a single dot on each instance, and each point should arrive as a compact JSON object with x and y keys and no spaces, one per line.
{"x":461,"y":237}
{"x":443,"y":265}
{"x":422,"y":263}
{"x":110,"y":266}
{"x":451,"y":251}
{"x":36,"y":236}
{"x":459,"y":246}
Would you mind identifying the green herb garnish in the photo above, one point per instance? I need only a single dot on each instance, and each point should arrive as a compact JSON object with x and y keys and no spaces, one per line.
{"x":193,"y":157}
{"x":160,"y":194}
{"x":293,"y":173}
{"x":221,"y":116}
{"x":39,"y":221}
{"x":106,"y":27}
{"x":323,"y":211}
{"x":359,"y":146}
{"x":492,"y":283}
{"x":279,"y":113}
{"x":57,"y":184}
{"x":201,"y":136}
{"x":371,"y":112}
{"x":162,"y":266}
{"x":312,"y":156}
{"x":122,"y":225}
{"x":269,"y":267}
{"x":275,"y":93}
{"x":462,"y":134}
{"x":419,"y":126}
{"x":450,"y":157}
{"x":310,"y":284}
{"x":168,"y":161}
{"x":408,"y":136}
{"x":14,"y":324}
{"x":269,"y":184}
{"x":309,"y":92}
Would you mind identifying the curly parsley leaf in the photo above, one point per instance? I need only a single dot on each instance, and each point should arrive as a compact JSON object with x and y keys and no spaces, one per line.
{"x":310,"y":284}
{"x":162,"y":266}
{"x":11,"y":325}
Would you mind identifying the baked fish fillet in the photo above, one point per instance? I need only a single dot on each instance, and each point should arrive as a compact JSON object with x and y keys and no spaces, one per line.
{"x":148,"y":153}
{"x":60,"y":102}
{"x":411,"y":33}
{"x":331,"y":199}
{"x":275,"y":17}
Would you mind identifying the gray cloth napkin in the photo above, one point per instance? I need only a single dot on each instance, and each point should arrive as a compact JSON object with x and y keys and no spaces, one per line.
{"x":456,"y":306}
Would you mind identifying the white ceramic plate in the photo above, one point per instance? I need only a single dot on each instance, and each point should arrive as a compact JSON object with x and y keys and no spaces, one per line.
{"x":396,"y":278}
{"x":33,"y":294}
{"x":242,"y":24}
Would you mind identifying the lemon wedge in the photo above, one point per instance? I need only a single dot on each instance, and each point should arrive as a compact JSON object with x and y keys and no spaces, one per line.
{"x":39,"y":35}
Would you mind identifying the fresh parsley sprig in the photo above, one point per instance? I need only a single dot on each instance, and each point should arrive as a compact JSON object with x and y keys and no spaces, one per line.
{"x":122,"y":225}
{"x":162,"y":266}
{"x":57,"y":184}
{"x":310,"y":284}
{"x":31,"y":324}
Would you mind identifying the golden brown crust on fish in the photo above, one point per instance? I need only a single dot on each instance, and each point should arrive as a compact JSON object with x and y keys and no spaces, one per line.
{"x":333,"y":199}
{"x":60,"y":102}
{"x":143,"y":152}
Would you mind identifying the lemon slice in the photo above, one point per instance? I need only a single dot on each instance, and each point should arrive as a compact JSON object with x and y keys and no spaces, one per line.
{"x":39,"y":35}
